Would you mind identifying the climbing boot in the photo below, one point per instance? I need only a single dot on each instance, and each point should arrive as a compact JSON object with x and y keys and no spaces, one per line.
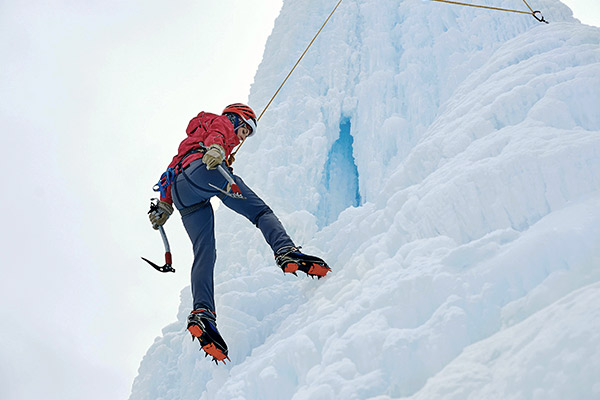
{"x":290,"y":259}
{"x":202,"y":325}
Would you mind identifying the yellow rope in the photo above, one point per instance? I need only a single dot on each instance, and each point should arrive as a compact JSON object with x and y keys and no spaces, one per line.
{"x":534,"y":13}
{"x":232,"y":156}
{"x":298,"y":62}
{"x":530,"y":9}
{"x":488,"y":7}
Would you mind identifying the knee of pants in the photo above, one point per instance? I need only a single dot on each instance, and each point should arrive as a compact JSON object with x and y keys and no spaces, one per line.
{"x":262,"y":212}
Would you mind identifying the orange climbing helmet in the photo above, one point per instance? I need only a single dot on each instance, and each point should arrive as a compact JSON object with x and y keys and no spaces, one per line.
{"x":245,"y":113}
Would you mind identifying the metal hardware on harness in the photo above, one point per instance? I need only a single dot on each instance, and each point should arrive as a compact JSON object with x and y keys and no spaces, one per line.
{"x":164,"y":182}
{"x":540,"y":18}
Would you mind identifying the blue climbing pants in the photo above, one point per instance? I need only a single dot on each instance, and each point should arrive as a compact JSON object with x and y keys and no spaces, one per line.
{"x":191,"y":194}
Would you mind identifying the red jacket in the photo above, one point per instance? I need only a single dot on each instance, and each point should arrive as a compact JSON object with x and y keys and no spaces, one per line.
{"x":206,"y":128}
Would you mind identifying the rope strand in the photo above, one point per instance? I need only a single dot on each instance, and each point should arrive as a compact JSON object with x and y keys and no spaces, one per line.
{"x":536,"y":14}
{"x":530,"y":9}
{"x":232,"y":156}
{"x":487,"y":7}
{"x":300,"y":59}
{"x":540,"y":18}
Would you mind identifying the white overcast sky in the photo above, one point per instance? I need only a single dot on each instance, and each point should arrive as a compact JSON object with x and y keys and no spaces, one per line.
{"x":95,"y":97}
{"x":587,"y":11}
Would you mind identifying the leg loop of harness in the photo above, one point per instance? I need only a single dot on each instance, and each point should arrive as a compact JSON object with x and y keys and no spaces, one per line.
{"x":187,"y":210}
{"x":192,"y":209}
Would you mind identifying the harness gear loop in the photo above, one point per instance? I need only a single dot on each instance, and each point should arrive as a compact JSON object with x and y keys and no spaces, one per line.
{"x":168,"y":177}
{"x":231,"y":158}
{"x":164,"y":182}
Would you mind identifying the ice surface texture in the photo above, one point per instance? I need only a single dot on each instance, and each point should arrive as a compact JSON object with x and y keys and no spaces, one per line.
{"x":465,"y":246}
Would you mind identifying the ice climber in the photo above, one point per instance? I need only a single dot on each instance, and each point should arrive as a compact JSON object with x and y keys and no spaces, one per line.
{"x":196,"y":174}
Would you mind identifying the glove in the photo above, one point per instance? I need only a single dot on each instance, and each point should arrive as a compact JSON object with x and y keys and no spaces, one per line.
{"x":161,"y":214}
{"x":214,"y":156}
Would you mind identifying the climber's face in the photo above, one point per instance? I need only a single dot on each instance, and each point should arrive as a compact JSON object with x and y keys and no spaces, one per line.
{"x":243,"y":132}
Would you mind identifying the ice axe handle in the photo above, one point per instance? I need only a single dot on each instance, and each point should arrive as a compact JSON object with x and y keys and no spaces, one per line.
{"x":168,"y":258}
{"x":236,"y":193}
{"x":163,"y":235}
{"x":234,"y":187}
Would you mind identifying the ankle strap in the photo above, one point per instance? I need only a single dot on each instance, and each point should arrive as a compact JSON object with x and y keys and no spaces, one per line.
{"x":206,"y":312}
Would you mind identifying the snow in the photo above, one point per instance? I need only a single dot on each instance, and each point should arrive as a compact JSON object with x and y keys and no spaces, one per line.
{"x":446,"y":162}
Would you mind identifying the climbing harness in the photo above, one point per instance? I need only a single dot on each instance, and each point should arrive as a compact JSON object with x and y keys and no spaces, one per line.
{"x":536,"y":14}
{"x":168,"y":177}
{"x":164,"y":182}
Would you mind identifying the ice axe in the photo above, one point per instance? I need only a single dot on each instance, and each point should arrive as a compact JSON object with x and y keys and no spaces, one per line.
{"x":168,"y":259}
{"x":235,"y":192}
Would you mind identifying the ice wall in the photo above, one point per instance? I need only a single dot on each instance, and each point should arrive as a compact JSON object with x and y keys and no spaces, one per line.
{"x":386,"y":66}
{"x":340,"y":178}
{"x":465,"y":244}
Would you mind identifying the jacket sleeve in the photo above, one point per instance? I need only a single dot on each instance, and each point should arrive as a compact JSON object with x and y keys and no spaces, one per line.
{"x":221,"y":133}
{"x":167,"y":197}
